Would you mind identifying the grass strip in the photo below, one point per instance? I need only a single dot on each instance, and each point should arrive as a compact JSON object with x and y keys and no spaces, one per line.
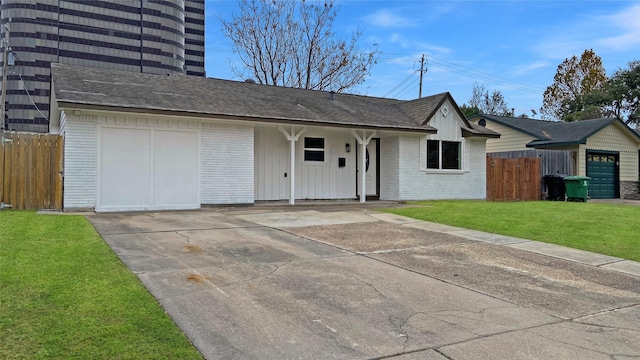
{"x":65,"y":294}
{"x":608,"y":229}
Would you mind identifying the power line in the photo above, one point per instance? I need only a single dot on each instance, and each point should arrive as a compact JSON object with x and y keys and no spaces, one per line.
{"x":30,"y":98}
{"x":479,"y":75}
{"x":409,"y":86}
{"x":400,"y":84}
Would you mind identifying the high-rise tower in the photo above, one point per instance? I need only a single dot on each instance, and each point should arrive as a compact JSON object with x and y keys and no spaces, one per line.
{"x":151,"y":36}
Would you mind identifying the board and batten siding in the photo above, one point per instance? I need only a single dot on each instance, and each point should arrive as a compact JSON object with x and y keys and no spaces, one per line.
{"x":326,"y":180}
{"x":418,"y":184}
{"x":314,"y":180}
{"x":390,"y":168}
{"x":227,"y":164}
{"x":613,"y":138}
{"x":272,"y":155}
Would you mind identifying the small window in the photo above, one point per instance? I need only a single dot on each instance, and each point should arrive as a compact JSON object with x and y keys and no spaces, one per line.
{"x":314,"y":149}
{"x":445,"y":155}
{"x":433,"y":154}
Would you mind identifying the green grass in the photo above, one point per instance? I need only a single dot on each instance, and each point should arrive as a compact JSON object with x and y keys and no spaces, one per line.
{"x":65,"y":294}
{"x":602,"y":228}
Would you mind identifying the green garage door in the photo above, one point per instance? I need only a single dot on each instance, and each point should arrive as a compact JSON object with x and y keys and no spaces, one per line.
{"x":601,"y":168}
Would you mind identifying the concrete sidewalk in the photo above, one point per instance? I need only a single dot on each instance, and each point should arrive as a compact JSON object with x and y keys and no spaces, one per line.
{"x":347,"y":282}
{"x":557,"y":251}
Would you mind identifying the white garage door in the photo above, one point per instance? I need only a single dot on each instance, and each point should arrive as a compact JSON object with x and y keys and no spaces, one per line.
{"x":147,"y":169}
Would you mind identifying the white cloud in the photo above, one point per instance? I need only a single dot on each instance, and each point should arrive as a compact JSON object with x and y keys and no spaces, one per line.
{"x":389,"y":18}
{"x":619,"y":31}
{"x":627,"y":25}
{"x":526,"y":69}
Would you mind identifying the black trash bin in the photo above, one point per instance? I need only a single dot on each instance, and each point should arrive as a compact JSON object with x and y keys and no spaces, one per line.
{"x":555,"y":186}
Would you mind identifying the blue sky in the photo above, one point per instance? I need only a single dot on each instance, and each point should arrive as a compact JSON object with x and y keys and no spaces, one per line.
{"x":512,"y":46}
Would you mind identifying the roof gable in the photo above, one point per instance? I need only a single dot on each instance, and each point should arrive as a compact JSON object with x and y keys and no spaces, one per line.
{"x":554,"y":133}
{"x":423,"y":110}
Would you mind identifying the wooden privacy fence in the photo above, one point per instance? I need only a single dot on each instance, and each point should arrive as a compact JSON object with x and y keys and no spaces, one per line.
{"x":552,"y":162}
{"x":31,"y":171}
{"x":513,"y":179}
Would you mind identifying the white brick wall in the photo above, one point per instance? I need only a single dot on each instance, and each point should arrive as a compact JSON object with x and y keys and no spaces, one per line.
{"x":389,"y":168}
{"x":80,"y":161}
{"x":416,"y":184}
{"x":227,"y":164}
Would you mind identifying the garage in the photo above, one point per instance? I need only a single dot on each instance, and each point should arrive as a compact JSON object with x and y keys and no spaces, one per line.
{"x":147,"y":169}
{"x":602,"y":169}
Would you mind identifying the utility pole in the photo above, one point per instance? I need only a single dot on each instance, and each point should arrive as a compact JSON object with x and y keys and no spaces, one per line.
{"x":422,"y":71}
{"x":3,"y":102}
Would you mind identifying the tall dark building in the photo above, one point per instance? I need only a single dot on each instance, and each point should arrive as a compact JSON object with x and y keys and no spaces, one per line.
{"x":150,"y":36}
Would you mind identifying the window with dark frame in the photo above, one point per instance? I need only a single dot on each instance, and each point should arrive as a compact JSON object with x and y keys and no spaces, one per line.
{"x":451,"y":155}
{"x":314,"y":149}
{"x":444,"y":155}
{"x":433,"y":154}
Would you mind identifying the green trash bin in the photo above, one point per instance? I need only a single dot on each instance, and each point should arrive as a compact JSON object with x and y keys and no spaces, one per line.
{"x":577,"y":187}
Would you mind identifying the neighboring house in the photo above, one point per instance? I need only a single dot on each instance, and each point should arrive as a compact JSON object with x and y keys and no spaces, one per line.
{"x":607,"y":149}
{"x":136,"y":141}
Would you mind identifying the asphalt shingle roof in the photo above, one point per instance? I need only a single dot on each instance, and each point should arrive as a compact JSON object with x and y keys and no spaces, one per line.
{"x":215,"y":97}
{"x":553,"y":133}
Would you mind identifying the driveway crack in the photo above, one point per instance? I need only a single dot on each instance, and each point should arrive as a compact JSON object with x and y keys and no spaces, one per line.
{"x":187,"y":238}
{"x":276,"y":268}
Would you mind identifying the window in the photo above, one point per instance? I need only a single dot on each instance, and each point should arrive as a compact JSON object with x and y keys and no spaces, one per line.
{"x":314,"y":149}
{"x":444,"y":155}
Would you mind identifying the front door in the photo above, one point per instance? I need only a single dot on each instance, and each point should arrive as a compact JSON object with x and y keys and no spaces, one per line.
{"x":372,"y":169}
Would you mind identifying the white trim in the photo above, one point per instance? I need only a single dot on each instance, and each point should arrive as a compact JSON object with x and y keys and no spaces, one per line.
{"x":293,"y":138}
{"x":464,"y":166}
{"x":324,"y":151}
{"x":363,"y":141}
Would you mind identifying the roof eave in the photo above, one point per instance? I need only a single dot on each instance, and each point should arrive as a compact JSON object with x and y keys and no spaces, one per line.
{"x":509,"y":125}
{"x":469,"y":133}
{"x":90,"y":106}
{"x":555,"y":144}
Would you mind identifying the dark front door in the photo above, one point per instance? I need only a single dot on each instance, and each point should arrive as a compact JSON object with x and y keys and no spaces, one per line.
{"x":602,"y":169}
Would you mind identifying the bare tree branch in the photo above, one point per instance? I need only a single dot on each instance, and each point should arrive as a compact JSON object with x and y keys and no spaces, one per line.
{"x":291,"y":43}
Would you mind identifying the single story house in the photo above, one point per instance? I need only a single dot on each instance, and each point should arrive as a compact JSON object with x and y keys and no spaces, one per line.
{"x":136,"y":141}
{"x":607,"y":149}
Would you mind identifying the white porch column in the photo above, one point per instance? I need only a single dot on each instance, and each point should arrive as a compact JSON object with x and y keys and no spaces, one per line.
{"x":363,"y":140}
{"x":292,"y":136}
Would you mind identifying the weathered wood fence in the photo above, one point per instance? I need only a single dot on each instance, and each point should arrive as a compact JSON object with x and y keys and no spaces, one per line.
{"x":31,"y":171}
{"x":552,"y":162}
{"x":513,"y":179}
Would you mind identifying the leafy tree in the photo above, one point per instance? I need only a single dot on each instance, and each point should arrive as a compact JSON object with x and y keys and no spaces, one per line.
{"x":624,"y":93}
{"x":587,"y":106}
{"x":620,"y":97}
{"x":482,"y":102}
{"x":291,"y":43}
{"x":469,"y":111}
{"x":574,"y":78}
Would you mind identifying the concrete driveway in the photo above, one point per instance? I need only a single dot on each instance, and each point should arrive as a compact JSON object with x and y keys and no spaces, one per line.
{"x":350,"y":283}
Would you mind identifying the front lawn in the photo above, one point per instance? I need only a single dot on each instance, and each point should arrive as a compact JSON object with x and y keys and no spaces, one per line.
{"x":65,"y":294}
{"x":602,"y":228}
